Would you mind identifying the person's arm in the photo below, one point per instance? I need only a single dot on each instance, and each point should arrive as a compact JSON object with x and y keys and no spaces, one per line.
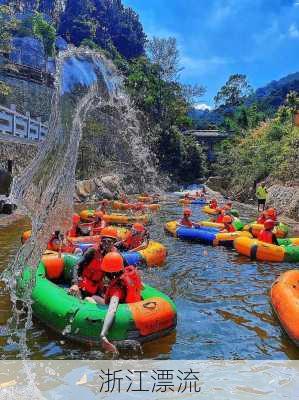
{"x":108,"y":321}
{"x":77,"y":270}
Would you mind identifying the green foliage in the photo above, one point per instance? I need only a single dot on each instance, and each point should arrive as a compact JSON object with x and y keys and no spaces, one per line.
{"x":234,"y":92}
{"x":271,"y":149}
{"x":45,"y":32}
{"x":166,"y":103}
{"x":5,"y":90}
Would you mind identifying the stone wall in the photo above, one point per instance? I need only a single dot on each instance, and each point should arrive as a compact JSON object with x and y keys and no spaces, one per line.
{"x":20,"y":154}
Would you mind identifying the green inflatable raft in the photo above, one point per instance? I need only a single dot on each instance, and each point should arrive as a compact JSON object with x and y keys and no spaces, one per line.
{"x":149,"y":319}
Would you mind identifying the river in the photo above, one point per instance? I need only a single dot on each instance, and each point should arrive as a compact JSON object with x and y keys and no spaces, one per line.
{"x":222,"y":300}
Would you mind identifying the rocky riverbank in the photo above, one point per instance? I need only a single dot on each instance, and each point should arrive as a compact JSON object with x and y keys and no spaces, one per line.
{"x":284,"y":197}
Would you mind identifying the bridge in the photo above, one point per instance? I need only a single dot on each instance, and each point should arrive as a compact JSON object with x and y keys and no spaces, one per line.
{"x":17,"y":127}
{"x":208,"y":138}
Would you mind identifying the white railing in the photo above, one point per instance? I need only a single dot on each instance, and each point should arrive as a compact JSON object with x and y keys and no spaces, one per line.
{"x":21,"y":126}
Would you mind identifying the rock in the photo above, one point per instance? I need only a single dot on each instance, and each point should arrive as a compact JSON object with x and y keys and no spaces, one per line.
{"x":285,"y":199}
{"x":217,"y":184}
{"x":28,"y":51}
{"x":85,"y":188}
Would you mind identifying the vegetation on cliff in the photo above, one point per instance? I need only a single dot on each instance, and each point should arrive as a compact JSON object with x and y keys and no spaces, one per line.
{"x":260,"y":149}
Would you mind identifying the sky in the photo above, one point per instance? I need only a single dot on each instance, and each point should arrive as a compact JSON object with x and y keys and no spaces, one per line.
{"x":217,"y":38}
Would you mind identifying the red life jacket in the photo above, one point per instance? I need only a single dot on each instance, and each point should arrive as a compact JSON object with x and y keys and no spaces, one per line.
{"x":92,"y":276}
{"x":130,"y":284}
{"x":266,"y":236}
{"x":219,"y":219}
{"x":186,"y":222}
{"x":72,"y":232}
{"x":230,"y":228}
{"x":131,"y":242}
{"x":261,"y":219}
{"x":213,"y":205}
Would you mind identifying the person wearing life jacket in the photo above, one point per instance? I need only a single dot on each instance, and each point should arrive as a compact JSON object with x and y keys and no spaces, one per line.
{"x":137,"y":239}
{"x":124,"y":198}
{"x":104,"y":204}
{"x":57,"y":243}
{"x":228,"y":205}
{"x":124,"y":286}
{"x":88,"y":277}
{"x":213,"y":204}
{"x":271,"y":214}
{"x":267,"y":235}
{"x":99,"y":223}
{"x":73,"y":232}
{"x":228,"y":224}
{"x":261,"y":195}
{"x":186,"y":221}
{"x":139,"y":207}
{"x":262,"y":218}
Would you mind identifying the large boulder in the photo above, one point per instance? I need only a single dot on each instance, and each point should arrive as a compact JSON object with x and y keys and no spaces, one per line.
{"x":285,"y":199}
{"x":28,"y":51}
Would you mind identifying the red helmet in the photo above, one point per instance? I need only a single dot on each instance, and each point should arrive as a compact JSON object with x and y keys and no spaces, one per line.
{"x":112,"y":262}
{"x":138,"y":227}
{"x":227,"y":219}
{"x":76,"y":219}
{"x":269,"y":224}
{"x":109,"y":232}
{"x":187,"y":212}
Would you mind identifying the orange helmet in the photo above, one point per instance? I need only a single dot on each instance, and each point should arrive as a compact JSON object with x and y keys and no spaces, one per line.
{"x":187,"y":212}
{"x":112,"y":262}
{"x":76,"y":219}
{"x":138,"y":227}
{"x":109,"y":232}
{"x":227,"y":219}
{"x":269,"y":224}
{"x":25,"y":236}
{"x":99,"y":214}
{"x":271,"y":212}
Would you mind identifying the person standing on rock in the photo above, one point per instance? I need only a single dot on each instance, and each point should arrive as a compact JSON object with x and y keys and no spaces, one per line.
{"x":261,"y":194}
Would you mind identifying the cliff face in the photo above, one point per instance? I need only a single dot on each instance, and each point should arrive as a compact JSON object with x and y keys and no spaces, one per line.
{"x":52,"y":8}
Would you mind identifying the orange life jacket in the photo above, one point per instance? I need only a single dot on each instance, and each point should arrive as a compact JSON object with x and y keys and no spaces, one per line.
{"x":266,"y":236}
{"x":130,"y":283}
{"x":92,"y":276}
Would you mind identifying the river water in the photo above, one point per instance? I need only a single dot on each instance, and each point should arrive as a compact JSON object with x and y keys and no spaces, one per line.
{"x":222,"y":300}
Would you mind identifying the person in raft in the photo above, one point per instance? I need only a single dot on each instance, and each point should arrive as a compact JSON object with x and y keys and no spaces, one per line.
{"x":124,"y":198}
{"x":73,"y":232}
{"x":261,"y":194}
{"x":58,"y":243}
{"x":124,"y":286}
{"x":104,"y":204}
{"x":186,"y":221}
{"x":267,"y":235}
{"x":88,"y":277}
{"x":99,"y":223}
{"x":272,"y":214}
{"x":137,"y":239}
{"x":228,"y":224}
{"x":213,"y":204}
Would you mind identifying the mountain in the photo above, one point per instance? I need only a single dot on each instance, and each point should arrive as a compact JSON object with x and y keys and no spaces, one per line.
{"x":269,"y":98}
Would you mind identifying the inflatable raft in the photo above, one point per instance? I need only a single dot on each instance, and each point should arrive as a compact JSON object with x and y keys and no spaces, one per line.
{"x":285,"y":301}
{"x":117,"y":205}
{"x":119,"y":219}
{"x":287,"y":251}
{"x":210,"y":211}
{"x":205,"y":235}
{"x":237,"y":223}
{"x":188,"y":202}
{"x":149,"y":319}
{"x":144,"y":199}
{"x":281,"y":230}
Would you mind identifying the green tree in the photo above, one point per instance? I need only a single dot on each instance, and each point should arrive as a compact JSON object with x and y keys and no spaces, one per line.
{"x":234,"y":92}
{"x":45,"y":32}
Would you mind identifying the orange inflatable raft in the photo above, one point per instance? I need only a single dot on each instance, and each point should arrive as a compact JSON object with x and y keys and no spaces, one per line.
{"x":285,"y":302}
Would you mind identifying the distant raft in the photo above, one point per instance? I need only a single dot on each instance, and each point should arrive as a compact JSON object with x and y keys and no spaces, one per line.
{"x":287,"y":251}
{"x":119,"y":219}
{"x":204,"y":235}
{"x":118,"y":205}
{"x":187,"y":202}
{"x":79,"y":320}
{"x":285,"y":301}
{"x":281,"y":230}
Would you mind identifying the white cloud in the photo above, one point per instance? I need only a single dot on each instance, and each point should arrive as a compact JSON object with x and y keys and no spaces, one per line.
{"x":202,"y":107}
{"x":294,"y":31}
{"x":296,"y":3}
{"x":203,"y":65}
